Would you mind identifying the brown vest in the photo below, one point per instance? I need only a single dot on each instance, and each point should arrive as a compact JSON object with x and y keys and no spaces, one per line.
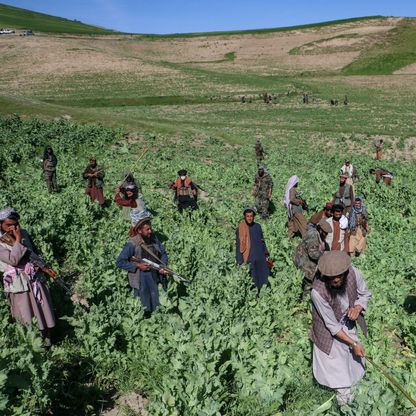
{"x":319,"y":333}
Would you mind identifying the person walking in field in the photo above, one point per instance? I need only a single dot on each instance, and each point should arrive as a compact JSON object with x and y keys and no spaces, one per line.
{"x":295,"y":206}
{"x":324,"y":214}
{"x":260,"y":154}
{"x":23,"y":278}
{"x":384,"y":174}
{"x":345,"y":194}
{"x":309,"y":251}
{"x":142,"y":278}
{"x":49,"y":163}
{"x":131,"y":200}
{"x":358,"y":227}
{"x":350,"y":170}
{"x":186,"y":192}
{"x":338,"y":239}
{"x":94,"y":175}
{"x":251,"y":249}
{"x":339,"y":298}
{"x":379,"y":147}
{"x":262,"y":191}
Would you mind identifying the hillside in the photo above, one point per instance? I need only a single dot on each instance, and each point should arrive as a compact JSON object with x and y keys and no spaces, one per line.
{"x":18,"y":18}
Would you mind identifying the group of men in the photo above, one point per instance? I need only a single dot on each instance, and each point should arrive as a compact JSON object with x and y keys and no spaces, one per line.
{"x":329,"y":239}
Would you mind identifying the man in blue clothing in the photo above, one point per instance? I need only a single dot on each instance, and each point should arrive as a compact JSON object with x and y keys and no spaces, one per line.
{"x":144,"y":280}
{"x":251,"y":249}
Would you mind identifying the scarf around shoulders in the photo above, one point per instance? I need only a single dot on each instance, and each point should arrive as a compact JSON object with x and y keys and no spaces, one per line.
{"x":245,"y":242}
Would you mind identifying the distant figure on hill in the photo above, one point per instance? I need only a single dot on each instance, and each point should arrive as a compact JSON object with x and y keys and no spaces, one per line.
{"x":243,"y":99}
{"x":262,"y":190}
{"x":358,"y":227}
{"x":334,"y":102}
{"x":324,"y":214}
{"x":384,"y":174}
{"x":305,"y":98}
{"x":259,"y":152}
{"x":295,"y":206}
{"x":339,"y":298}
{"x":186,"y":192}
{"x":379,"y":147}
{"x":94,"y":175}
{"x":346,"y":102}
{"x":345,"y":193}
{"x":308,"y":252}
{"x":251,"y":249}
{"x":338,"y":239}
{"x":49,"y":163}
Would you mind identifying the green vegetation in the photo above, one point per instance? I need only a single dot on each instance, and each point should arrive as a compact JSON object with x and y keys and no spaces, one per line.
{"x":397,"y":51}
{"x":25,"y":19}
{"x":213,"y":348}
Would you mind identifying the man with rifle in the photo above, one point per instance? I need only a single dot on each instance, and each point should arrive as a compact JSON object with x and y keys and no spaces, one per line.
{"x":95,"y":181}
{"x":186,"y":192}
{"x":23,"y":276}
{"x":143,"y":278}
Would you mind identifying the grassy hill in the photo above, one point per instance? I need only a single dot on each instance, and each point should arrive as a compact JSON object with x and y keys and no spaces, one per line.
{"x":18,"y":18}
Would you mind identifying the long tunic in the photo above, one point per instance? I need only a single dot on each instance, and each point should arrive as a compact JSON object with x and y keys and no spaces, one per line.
{"x":24,"y":305}
{"x":341,"y":368}
{"x":259,"y":269}
{"x":146,"y":289}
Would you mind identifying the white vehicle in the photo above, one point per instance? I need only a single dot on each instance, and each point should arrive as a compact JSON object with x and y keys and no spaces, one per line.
{"x":6,"y":31}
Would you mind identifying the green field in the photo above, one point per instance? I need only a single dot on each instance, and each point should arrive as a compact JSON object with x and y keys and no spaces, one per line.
{"x":173,"y":102}
{"x":17,"y":18}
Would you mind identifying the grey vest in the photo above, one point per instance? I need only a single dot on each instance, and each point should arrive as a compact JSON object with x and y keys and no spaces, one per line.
{"x":319,"y":333}
{"x":345,"y":198}
{"x":139,"y":253}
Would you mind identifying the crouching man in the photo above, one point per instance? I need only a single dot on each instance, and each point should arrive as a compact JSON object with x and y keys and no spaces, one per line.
{"x":339,"y":298}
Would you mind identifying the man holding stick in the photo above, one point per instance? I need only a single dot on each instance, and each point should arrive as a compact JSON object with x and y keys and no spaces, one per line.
{"x":339,"y":298}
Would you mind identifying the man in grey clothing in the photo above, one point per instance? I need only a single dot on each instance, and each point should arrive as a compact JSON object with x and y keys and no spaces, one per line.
{"x":339,"y":298}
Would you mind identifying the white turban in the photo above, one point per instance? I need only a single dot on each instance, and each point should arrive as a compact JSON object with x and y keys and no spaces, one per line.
{"x":6,"y":213}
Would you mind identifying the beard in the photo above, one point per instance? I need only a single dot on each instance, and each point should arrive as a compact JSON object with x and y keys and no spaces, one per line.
{"x":338,"y":290}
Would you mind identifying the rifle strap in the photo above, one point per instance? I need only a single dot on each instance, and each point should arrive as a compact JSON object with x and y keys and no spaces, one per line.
{"x":148,"y":251}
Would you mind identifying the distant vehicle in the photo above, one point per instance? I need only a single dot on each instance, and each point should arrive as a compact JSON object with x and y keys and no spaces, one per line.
{"x":27,"y":33}
{"x":6,"y":31}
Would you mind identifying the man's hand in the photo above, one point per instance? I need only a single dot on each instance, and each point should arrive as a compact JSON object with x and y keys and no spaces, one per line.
{"x":354,"y":312}
{"x":143,"y":267}
{"x":16,"y":233}
{"x":358,"y":350}
{"x":164,"y":271}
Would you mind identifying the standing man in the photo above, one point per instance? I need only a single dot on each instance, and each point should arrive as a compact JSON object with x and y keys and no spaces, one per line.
{"x":309,"y":251}
{"x":379,"y":147}
{"x":345,"y":194}
{"x":295,"y":206}
{"x":382,"y":173}
{"x":339,"y":298}
{"x":262,"y":190}
{"x":358,"y":227}
{"x":251,"y":249}
{"x":259,"y":152}
{"x":95,"y":181}
{"x":142,"y":279}
{"x":49,"y":163}
{"x":348,"y":169}
{"x":186,"y":192}
{"x":325,"y":213}
{"x":24,"y":286}
{"x":338,"y":239}
{"x":132,"y":202}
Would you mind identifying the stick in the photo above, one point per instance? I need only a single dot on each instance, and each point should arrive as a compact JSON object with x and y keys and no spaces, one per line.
{"x":139,"y":158}
{"x":392,"y":380}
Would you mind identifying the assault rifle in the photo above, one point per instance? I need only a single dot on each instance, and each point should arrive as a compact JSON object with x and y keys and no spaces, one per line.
{"x":156,"y":266}
{"x":39,"y":262}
